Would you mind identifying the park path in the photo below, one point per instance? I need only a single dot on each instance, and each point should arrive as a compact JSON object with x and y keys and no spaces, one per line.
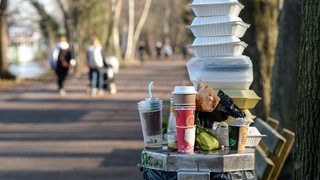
{"x":78,"y":137}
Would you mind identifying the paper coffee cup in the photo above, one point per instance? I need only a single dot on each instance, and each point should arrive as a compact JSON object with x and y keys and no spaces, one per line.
{"x":186,"y":139}
{"x":184,"y":115}
{"x":184,"y":95}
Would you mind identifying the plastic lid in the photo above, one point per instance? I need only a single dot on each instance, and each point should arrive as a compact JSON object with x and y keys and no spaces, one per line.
{"x":212,"y":1}
{"x":215,"y":19}
{"x":184,"y":90}
{"x":224,"y":62}
{"x":227,"y":62}
{"x":214,"y":40}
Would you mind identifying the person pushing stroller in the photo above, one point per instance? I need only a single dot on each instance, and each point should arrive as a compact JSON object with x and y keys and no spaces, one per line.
{"x":96,"y":63}
{"x":102,"y":69}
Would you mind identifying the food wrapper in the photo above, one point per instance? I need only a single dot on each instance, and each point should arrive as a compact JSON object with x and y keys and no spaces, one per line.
{"x":246,"y":121}
{"x":206,"y":99}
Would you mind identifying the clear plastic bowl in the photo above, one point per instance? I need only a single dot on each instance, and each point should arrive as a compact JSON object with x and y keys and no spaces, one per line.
{"x":229,"y":72}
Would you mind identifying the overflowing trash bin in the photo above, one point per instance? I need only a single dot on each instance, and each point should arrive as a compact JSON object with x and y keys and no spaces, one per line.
{"x":209,"y":140}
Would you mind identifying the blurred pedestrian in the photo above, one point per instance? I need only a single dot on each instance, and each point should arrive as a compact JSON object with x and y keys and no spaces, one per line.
{"x":141,"y":50}
{"x":60,"y":58}
{"x":158,"y":49}
{"x":96,"y":63}
{"x":167,"y":50}
{"x":184,"y":50}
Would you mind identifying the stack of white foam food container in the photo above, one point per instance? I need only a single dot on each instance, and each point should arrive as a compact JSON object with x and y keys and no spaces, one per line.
{"x":218,"y":50}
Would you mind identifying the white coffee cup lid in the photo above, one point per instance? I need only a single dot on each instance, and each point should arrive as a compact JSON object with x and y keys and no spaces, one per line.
{"x":184,"y":90}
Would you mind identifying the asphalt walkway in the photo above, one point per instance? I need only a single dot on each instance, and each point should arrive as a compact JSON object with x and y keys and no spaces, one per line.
{"x":78,"y":137}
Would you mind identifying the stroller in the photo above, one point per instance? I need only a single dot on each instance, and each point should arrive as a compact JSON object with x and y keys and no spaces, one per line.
{"x":110,"y":72}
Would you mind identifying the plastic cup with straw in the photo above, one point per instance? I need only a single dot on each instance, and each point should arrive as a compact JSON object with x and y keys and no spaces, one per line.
{"x":150,"y":111}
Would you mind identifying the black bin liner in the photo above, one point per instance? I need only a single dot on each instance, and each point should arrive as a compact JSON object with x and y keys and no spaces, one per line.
{"x":224,"y":109}
{"x":151,"y":174}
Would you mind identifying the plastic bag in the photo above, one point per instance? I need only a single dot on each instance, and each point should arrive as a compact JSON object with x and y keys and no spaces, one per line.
{"x":228,"y":106}
{"x":207,"y":118}
{"x":220,"y":131}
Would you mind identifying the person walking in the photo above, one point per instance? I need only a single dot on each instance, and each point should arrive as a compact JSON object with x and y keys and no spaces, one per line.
{"x":96,"y":63}
{"x":141,"y":50}
{"x":60,"y":58}
{"x":158,"y":49}
{"x":167,"y":50}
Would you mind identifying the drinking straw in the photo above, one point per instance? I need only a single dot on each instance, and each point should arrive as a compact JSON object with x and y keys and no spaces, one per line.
{"x":149,"y":88}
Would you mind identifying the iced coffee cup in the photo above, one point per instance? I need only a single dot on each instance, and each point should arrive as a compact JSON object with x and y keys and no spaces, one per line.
{"x":150,"y":111}
{"x":184,"y":95}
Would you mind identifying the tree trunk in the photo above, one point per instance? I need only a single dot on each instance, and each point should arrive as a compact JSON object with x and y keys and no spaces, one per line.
{"x":128,"y":54}
{"x":307,"y":145}
{"x":3,"y":37}
{"x":4,"y":72}
{"x":140,"y":25}
{"x":115,"y":30}
{"x":285,"y":73}
{"x":134,"y":34}
{"x":261,"y":38}
{"x":66,"y":20}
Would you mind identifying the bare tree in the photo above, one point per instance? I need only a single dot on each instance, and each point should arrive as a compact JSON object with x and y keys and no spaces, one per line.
{"x":65,"y":18}
{"x":307,"y":159}
{"x":134,"y":34}
{"x":115,"y":30}
{"x":48,"y":25}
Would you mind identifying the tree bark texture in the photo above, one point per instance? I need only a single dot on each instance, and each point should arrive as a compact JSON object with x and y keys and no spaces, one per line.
{"x":285,"y":71}
{"x":261,"y":38}
{"x":307,"y":145}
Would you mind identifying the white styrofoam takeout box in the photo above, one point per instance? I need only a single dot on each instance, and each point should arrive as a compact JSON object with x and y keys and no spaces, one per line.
{"x":217,"y":46}
{"x":253,"y":137}
{"x":216,"y":8}
{"x":218,"y":26}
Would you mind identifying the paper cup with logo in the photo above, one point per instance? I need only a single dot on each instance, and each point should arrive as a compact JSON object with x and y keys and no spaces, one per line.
{"x":184,"y":114}
{"x":186,"y":139}
{"x":238,"y":137}
{"x":184,"y":95}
